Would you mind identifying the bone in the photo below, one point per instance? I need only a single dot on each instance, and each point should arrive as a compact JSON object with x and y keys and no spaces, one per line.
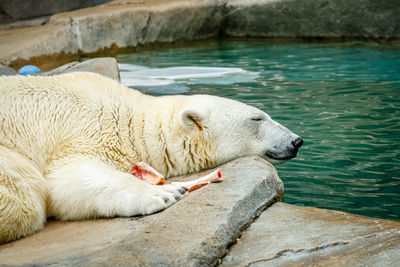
{"x":214,"y":177}
{"x":145,"y":172}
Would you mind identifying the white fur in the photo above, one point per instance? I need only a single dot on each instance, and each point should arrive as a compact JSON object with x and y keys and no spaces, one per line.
{"x":67,"y":141}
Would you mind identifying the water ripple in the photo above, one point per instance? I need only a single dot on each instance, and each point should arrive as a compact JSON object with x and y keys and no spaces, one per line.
{"x":343,"y":99}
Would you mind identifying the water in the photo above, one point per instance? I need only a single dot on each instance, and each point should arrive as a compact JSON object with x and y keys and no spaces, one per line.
{"x":343,"y":99}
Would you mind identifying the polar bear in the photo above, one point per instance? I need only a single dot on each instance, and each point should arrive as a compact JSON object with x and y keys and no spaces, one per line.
{"x":67,"y":141}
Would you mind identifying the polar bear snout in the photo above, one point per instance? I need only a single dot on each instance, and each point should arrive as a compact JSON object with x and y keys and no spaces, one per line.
{"x":293,"y":147}
{"x":297,"y":143}
{"x":286,"y":150}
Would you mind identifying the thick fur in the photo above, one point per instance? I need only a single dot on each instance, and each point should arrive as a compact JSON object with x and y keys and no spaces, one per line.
{"x":67,"y":141}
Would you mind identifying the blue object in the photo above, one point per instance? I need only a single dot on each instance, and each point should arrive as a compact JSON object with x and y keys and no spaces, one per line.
{"x":29,"y":69}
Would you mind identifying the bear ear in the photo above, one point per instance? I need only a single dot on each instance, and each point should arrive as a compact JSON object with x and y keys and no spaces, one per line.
{"x":191,"y":119}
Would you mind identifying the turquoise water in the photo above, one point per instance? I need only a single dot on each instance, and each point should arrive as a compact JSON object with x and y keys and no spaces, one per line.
{"x":343,"y":99}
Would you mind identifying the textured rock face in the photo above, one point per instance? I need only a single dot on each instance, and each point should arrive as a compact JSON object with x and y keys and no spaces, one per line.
{"x":133,"y":23}
{"x":106,"y":66}
{"x":195,"y":231}
{"x":287,"y":235}
{"x":116,"y":24}
{"x":313,"y":18}
{"x":25,"y":9}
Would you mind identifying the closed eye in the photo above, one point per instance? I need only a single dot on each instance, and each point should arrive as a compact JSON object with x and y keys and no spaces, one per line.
{"x":258,"y":118}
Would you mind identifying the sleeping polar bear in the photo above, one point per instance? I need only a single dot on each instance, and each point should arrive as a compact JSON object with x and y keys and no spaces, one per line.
{"x":67,"y":141}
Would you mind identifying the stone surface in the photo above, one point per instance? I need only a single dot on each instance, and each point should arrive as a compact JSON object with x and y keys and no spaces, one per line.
{"x":313,"y":18}
{"x":4,"y":70}
{"x":287,"y":235}
{"x":134,"y":23}
{"x":195,"y":231}
{"x":25,"y":23}
{"x":25,"y":9}
{"x":117,"y":24}
{"x":106,"y":66}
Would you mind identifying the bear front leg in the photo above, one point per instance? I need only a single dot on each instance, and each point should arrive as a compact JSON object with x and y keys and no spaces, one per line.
{"x":82,"y":188}
{"x":22,"y":196}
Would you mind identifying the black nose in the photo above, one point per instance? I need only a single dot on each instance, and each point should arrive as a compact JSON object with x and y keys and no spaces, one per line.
{"x":297,"y":143}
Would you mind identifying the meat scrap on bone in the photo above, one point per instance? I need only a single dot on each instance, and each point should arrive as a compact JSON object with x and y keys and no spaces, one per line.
{"x":145,"y":172}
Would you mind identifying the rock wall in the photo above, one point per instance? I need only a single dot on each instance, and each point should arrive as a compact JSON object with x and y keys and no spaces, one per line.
{"x":134,"y":23}
{"x":27,"y":9}
{"x":109,"y":26}
{"x":313,"y":18}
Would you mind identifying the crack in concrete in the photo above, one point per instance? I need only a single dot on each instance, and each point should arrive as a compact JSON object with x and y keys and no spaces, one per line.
{"x":289,"y":252}
{"x":145,"y":29}
{"x":292,"y":252}
{"x":244,"y":227}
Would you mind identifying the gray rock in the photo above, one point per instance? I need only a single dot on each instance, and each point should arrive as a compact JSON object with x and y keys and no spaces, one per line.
{"x":25,"y":23}
{"x":287,"y":235}
{"x":196,"y":231}
{"x":133,"y":23}
{"x":4,"y":70}
{"x":25,"y":9}
{"x":106,"y":66}
{"x":313,"y":18}
{"x":144,"y":22}
{"x":116,"y":25}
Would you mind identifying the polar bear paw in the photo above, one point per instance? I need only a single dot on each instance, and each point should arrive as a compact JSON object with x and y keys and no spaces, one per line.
{"x":161,"y":197}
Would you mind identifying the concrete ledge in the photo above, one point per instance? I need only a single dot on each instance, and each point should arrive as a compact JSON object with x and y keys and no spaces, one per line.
{"x":287,"y":235}
{"x":116,"y":24}
{"x":195,"y":231}
{"x":122,"y":25}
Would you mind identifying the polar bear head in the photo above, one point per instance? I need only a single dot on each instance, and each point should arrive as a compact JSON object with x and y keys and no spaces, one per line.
{"x":233,"y":129}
